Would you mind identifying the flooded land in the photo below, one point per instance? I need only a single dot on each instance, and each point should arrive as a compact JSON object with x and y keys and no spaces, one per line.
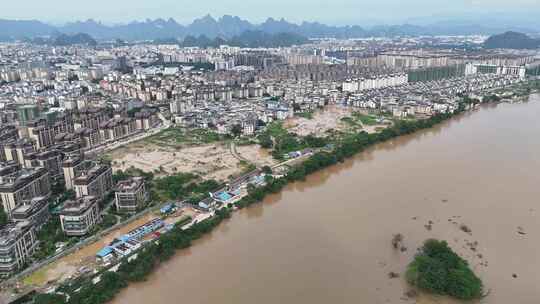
{"x":473,"y":181}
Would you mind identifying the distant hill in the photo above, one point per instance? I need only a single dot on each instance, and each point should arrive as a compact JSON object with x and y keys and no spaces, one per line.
{"x":80,"y":38}
{"x":227,"y":27}
{"x":65,"y":40}
{"x":24,"y":28}
{"x":255,"y":39}
{"x":252,"y":39}
{"x":511,"y":40}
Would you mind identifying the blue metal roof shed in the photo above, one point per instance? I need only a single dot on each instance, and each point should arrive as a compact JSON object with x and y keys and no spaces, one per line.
{"x":104,"y":252}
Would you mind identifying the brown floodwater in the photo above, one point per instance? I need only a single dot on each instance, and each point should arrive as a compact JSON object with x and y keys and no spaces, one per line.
{"x":327,"y":240}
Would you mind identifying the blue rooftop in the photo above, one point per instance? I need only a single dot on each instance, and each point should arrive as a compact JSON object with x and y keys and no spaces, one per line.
{"x":224,"y":196}
{"x":104,"y":252}
{"x":124,"y":238}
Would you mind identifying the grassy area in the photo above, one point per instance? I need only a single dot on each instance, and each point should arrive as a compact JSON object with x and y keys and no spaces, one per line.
{"x":182,"y":186}
{"x":276,"y":129}
{"x":359,"y":119}
{"x":246,"y":166}
{"x":38,"y":277}
{"x":350,"y":121}
{"x":285,"y":142}
{"x":246,"y":141}
{"x":185,"y":219}
{"x":366,"y":120}
{"x":177,"y":136}
{"x":306,"y":115}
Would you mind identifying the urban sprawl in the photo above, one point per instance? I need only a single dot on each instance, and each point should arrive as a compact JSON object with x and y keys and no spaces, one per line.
{"x":92,"y":138}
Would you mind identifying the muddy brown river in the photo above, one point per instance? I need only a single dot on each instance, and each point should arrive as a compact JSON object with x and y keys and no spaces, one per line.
{"x":327,"y":240}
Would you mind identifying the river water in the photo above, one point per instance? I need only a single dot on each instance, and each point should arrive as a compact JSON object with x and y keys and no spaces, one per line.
{"x":328,"y":239}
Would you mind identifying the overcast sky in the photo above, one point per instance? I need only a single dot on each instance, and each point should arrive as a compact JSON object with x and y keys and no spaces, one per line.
{"x":184,"y":11}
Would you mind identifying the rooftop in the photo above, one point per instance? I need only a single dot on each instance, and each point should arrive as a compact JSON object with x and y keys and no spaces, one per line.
{"x":78,"y":206}
{"x":129,"y":185}
{"x":12,"y":231}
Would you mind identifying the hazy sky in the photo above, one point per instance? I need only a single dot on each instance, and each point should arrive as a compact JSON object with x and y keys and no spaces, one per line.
{"x":334,"y":11}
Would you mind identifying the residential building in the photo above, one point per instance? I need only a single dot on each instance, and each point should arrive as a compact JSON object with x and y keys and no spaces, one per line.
{"x":17,"y":242}
{"x":23,"y":185}
{"x":19,"y":150}
{"x":35,"y":211}
{"x":95,"y":181}
{"x":43,"y":131}
{"x":51,"y":160}
{"x":77,"y":217}
{"x":130,"y":195}
{"x":146,"y":119}
{"x":71,"y":168}
{"x":117,"y":128}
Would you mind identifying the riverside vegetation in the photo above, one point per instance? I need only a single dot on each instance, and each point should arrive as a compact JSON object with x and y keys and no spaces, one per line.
{"x":83,"y":291}
{"x":437,"y":269}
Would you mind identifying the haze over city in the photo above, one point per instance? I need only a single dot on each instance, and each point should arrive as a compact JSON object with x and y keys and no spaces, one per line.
{"x":338,"y":12}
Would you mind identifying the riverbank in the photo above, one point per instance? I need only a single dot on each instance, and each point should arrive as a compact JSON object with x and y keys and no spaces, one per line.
{"x":328,"y":238}
{"x":347,"y":148}
{"x":154,"y":254}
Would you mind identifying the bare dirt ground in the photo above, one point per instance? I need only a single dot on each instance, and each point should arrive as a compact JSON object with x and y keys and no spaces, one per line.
{"x":322,"y":121}
{"x":212,"y":161}
{"x":70,"y":265}
{"x":200,"y":152}
{"x":331,"y":118}
{"x":85,"y":257}
{"x":175,"y":150}
{"x":256,"y":155}
{"x":374,"y":129}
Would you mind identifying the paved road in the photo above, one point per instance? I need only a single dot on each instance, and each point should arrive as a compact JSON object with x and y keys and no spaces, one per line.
{"x":232,"y":148}
{"x":291,"y":161}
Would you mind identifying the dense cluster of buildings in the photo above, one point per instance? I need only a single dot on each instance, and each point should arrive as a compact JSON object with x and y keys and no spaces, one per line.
{"x":60,"y":104}
{"x":26,"y":198}
{"x":427,"y":98}
{"x":42,"y":150}
{"x":375,"y":82}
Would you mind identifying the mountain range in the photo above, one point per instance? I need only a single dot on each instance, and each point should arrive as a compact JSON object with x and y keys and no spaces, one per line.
{"x":229,"y":26}
{"x":64,"y":40}
{"x":252,"y":39}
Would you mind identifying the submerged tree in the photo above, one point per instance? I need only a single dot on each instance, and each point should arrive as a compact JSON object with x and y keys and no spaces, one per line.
{"x":438,"y":269}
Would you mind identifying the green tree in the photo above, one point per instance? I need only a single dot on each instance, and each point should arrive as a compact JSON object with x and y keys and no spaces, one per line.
{"x":267,"y":170}
{"x":49,"y":299}
{"x":265,"y":141}
{"x":236,"y":130}
{"x":438,"y":269}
